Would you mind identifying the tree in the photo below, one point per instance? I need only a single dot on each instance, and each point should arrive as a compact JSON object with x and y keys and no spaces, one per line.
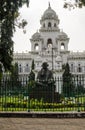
{"x":31,"y":83}
{"x":11,"y":83}
{"x":68,"y":86}
{"x":8,"y":14}
{"x":33,"y":65}
{"x":74,"y":4}
{"x":32,"y":74}
{"x":14,"y":72}
{"x":15,"y":84}
{"x":0,"y":71}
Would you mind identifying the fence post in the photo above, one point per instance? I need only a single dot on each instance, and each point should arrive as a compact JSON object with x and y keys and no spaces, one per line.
{"x":5,"y":95}
{"x":78,"y":94}
{"x":28,"y":98}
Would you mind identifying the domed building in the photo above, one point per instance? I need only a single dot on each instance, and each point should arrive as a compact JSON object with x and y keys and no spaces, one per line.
{"x":50,"y":45}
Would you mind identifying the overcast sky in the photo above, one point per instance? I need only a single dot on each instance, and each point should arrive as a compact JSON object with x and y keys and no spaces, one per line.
{"x":71,"y":22}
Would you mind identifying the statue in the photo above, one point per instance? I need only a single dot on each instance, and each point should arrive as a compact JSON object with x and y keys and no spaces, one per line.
{"x":45,"y":86}
{"x":45,"y":73}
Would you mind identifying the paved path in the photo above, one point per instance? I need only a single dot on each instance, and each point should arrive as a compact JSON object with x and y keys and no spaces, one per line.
{"x":41,"y":124}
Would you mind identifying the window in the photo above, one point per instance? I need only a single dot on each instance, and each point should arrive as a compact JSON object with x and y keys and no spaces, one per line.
{"x":27,"y":68}
{"x":20,"y":68}
{"x":44,"y":25}
{"x":36,"y":47}
{"x":49,"y":43}
{"x":58,"y":64}
{"x":54,"y":24}
{"x":49,"y":24}
{"x":62,"y":46}
{"x":71,"y":69}
{"x":79,"y":69}
{"x":84,"y":68}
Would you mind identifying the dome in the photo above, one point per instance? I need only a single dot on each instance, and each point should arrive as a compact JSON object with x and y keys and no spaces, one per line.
{"x":49,"y":14}
{"x":58,"y":58}
{"x":36,"y":36}
{"x":62,"y":35}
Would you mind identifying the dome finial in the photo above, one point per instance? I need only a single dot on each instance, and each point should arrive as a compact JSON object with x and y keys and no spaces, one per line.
{"x":49,"y":4}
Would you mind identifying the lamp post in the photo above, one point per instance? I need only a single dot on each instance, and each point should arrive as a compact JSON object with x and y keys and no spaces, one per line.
{"x":49,"y":50}
{"x":50,"y":47}
{"x":52,"y":60}
{"x":53,"y":89}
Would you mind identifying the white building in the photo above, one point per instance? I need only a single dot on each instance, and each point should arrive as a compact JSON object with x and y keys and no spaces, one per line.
{"x":50,"y":44}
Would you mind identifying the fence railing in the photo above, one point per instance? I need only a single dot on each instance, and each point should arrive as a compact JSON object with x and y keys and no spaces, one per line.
{"x":20,"y":94}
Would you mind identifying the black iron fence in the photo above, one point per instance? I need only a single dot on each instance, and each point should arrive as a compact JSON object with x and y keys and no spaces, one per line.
{"x":58,"y":95}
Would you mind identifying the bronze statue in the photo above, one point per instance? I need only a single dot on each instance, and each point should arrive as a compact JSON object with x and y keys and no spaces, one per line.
{"x":45,"y":73}
{"x":45,"y":86}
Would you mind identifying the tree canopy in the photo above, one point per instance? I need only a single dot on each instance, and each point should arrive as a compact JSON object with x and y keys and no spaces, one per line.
{"x":8,"y":12}
{"x":74,"y":4}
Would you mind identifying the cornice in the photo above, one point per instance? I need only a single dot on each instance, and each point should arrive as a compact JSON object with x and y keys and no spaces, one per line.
{"x":49,"y":30}
{"x":36,"y":39}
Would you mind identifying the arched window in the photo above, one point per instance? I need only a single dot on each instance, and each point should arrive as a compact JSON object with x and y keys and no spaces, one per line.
{"x":36,"y":47}
{"x":79,"y":69}
{"x":49,"y":43}
{"x":44,"y":25}
{"x":71,"y":69}
{"x":58,"y":64}
{"x":20,"y":68}
{"x":54,"y":24}
{"x":84,"y":68}
{"x":27,"y":68}
{"x":49,"y":24}
{"x":62,"y":46}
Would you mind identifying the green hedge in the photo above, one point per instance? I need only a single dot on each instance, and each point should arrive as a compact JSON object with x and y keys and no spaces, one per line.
{"x":15,"y":105}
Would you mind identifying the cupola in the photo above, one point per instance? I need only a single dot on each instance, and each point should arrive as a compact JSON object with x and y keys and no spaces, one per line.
{"x":62,"y":35}
{"x":49,"y":20}
{"x":36,"y":36}
{"x":49,"y":14}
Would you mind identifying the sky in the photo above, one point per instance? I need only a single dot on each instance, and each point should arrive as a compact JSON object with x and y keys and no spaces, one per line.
{"x":72,"y":22}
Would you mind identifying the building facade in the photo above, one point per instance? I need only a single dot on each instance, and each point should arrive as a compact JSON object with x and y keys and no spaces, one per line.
{"x":50,"y":45}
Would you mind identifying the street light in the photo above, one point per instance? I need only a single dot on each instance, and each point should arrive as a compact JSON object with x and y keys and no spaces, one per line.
{"x":52,"y":60}
{"x":50,"y":46}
